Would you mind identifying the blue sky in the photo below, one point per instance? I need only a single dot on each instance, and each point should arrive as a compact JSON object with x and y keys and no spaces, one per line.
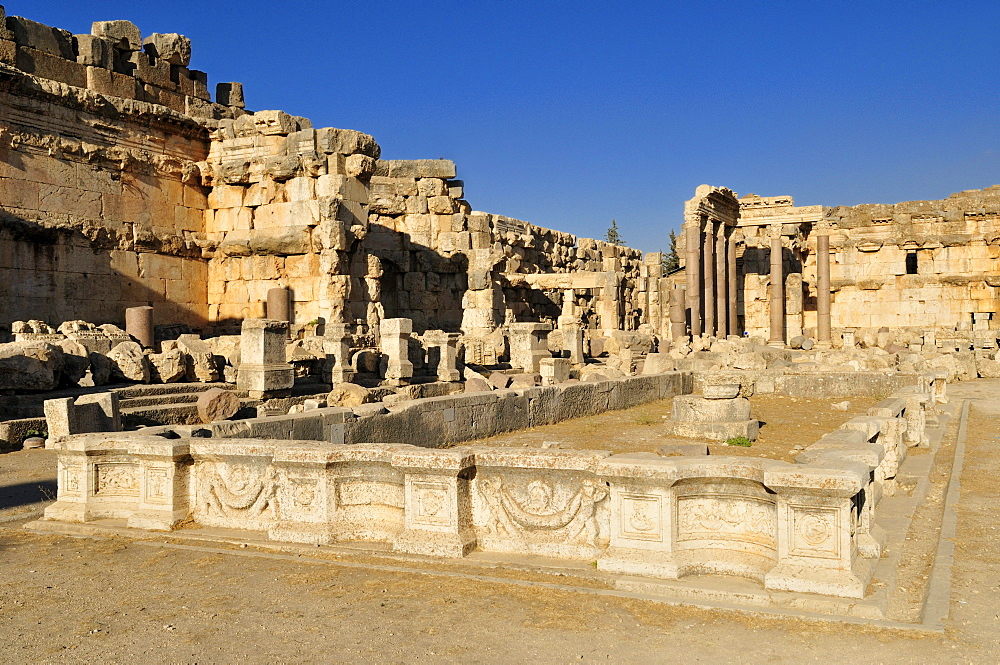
{"x":569,"y":114}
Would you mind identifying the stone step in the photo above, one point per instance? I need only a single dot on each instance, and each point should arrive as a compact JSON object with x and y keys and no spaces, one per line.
{"x":159,"y":400}
{"x":145,"y":390}
{"x":170,"y":413}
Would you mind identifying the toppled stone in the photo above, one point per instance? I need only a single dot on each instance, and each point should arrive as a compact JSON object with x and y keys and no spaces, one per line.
{"x":349,"y":395}
{"x":167,"y":367}
{"x":682,"y":449}
{"x":477,"y":384}
{"x":30,"y":366}
{"x":217,"y":404}
{"x":841,"y":406}
{"x":129,"y":362}
{"x":99,"y":372}
{"x":499,"y":380}
{"x":526,"y":380}
{"x":76,"y":361}
{"x":200,"y":364}
{"x":657,"y":363}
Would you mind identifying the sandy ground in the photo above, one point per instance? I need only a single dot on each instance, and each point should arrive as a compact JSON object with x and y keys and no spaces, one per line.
{"x":66,"y":599}
{"x":786,"y":422}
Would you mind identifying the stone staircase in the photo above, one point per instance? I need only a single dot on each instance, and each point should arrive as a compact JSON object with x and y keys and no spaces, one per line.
{"x":169,"y":404}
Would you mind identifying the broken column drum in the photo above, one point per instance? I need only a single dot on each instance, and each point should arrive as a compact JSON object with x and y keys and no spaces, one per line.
{"x":139,"y":324}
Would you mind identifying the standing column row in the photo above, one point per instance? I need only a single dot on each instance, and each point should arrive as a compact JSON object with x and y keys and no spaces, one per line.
{"x":711,"y":278}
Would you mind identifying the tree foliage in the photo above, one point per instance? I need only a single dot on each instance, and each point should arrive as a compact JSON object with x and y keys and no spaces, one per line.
{"x":613,"y":235}
{"x":670,"y":259}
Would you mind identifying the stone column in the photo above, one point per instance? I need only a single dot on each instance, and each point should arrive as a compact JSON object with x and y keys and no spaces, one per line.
{"x":721,"y":284}
{"x":678,"y":329}
{"x":139,"y":324}
{"x":528,"y":345}
{"x":692,"y":274}
{"x":278,"y":304}
{"x":777,"y":291}
{"x":394,"y":342}
{"x":447,"y":345}
{"x":708,"y":277}
{"x":733,"y":328}
{"x":337,"y":347}
{"x":823,"y":289}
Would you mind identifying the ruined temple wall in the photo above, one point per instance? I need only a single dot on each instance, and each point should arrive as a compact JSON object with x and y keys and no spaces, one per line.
{"x":956,"y":242}
{"x":96,"y":213}
{"x":957,"y":246}
{"x":101,"y":204}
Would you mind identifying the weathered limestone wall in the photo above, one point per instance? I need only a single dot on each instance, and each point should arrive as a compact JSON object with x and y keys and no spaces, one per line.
{"x":956,"y":242}
{"x":951,"y":276}
{"x":100,"y":206}
{"x":96,"y":213}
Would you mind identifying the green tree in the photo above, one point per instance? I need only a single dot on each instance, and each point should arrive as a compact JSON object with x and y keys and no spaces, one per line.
{"x":613,"y":236}
{"x":670,"y":259}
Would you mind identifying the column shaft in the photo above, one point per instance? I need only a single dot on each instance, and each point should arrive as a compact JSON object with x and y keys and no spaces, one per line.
{"x":823,"y":288}
{"x":708,"y":277}
{"x":692,"y":274}
{"x":721,"y":283}
{"x":731,"y":276}
{"x":777,"y":293}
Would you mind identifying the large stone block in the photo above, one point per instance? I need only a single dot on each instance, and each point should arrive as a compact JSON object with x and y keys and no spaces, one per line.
{"x":30,"y":366}
{"x":123,"y":35}
{"x":40,"y":37}
{"x":171,"y":47}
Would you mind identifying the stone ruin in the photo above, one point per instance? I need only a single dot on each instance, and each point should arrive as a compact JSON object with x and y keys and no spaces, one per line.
{"x":324,"y":309}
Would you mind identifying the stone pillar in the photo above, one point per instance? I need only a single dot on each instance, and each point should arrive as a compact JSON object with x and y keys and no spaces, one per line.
{"x":823,"y":335}
{"x":777,"y":292}
{"x":528,"y":345}
{"x":721,"y":284}
{"x":263,"y":370}
{"x":337,"y":347}
{"x":732,"y":290}
{"x":394,"y":342}
{"x":692,"y":274}
{"x":278,"y":304}
{"x":139,"y":324}
{"x":708,"y":277}
{"x":678,"y":327}
{"x":447,"y":345}
{"x":572,"y":330}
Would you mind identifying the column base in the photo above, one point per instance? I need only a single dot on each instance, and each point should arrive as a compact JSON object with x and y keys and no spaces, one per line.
{"x":436,"y":543}
{"x":647,"y":563}
{"x":804,"y":578}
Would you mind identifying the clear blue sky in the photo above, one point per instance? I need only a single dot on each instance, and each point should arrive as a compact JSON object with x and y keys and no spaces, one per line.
{"x":569,"y":114}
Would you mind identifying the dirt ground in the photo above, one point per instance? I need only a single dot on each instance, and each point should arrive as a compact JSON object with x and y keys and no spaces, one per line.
{"x":65,"y":599}
{"x":786,"y":422}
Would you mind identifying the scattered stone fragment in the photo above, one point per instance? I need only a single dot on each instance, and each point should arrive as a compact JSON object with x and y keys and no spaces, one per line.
{"x":349,"y":395}
{"x":128,"y":362}
{"x":217,"y":404}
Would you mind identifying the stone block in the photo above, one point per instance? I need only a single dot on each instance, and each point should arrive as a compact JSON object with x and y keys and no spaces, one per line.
{"x":123,"y":35}
{"x":171,"y":48}
{"x":54,"y":67}
{"x":217,"y":404}
{"x":40,"y":37}
{"x":693,"y":409}
{"x":230,"y":94}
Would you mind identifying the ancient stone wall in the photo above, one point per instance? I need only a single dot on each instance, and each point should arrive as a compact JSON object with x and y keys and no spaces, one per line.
{"x":916,"y":264}
{"x":102,"y":208}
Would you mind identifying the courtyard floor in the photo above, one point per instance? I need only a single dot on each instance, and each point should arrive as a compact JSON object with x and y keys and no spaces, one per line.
{"x":67,"y":599}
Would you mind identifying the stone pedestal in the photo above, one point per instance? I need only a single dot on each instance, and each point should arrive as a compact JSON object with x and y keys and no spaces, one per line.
{"x":139,"y":324}
{"x":447,"y":354}
{"x":554,"y":370}
{"x":394,"y":342}
{"x":337,"y":347}
{"x":572,"y":330}
{"x":528,"y":345}
{"x":704,"y":417}
{"x":263,"y":370}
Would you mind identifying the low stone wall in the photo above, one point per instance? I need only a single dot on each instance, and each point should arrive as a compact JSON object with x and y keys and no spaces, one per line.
{"x":828,"y":385}
{"x":805,"y":526}
{"x":441,"y":421}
